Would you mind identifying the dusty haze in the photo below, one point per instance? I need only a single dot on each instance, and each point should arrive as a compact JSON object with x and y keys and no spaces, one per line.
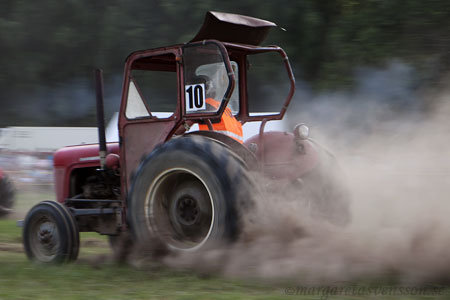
{"x":398,"y":172}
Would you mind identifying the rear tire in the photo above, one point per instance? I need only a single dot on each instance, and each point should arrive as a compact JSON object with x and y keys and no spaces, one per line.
{"x":186,"y":194}
{"x":50,"y":234}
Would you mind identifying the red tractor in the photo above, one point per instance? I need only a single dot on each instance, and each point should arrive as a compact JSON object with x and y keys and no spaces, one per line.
{"x":163,"y":180}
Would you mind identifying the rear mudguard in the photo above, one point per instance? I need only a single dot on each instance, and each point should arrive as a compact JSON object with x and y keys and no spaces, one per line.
{"x":282,"y":156}
{"x":278,"y":154}
{"x":241,"y":150}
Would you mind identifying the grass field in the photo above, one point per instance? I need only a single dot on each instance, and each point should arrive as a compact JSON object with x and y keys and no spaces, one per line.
{"x":96,"y":276}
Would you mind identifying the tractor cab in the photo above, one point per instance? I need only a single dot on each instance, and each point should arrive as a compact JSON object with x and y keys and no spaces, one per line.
{"x":168,"y":90}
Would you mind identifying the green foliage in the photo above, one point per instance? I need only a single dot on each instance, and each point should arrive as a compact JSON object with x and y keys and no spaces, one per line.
{"x":54,"y":42}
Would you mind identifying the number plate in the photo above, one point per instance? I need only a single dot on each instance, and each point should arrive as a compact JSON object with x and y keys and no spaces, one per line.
{"x":195,"y":97}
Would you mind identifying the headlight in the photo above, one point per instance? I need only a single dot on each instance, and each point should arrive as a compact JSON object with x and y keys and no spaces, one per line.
{"x":301,"y":131}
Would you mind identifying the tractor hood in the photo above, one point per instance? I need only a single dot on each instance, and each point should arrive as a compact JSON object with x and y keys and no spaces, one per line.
{"x":233,"y":28}
{"x":71,"y":156}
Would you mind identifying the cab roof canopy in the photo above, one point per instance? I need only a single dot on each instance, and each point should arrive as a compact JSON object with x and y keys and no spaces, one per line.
{"x":233,"y":28}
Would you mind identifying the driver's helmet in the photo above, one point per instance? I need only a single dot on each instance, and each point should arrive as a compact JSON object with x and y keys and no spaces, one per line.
{"x":209,"y":85}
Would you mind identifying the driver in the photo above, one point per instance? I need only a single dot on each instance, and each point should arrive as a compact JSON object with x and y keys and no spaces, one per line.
{"x":228,"y":124}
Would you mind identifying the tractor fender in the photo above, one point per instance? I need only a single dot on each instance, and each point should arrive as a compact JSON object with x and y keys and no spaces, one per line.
{"x":240,"y":149}
{"x":282,"y":155}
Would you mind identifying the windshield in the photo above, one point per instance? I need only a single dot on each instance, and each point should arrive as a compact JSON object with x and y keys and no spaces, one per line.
{"x":206,"y":80}
{"x":268,"y":83}
{"x":216,"y":78}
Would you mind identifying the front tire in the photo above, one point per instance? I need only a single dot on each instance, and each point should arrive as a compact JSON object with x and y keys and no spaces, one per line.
{"x":50,"y":234}
{"x":327,"y":191}
{"x":186,"y":194}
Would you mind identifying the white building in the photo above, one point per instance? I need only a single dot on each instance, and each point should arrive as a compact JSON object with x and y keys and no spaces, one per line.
{"x":45,"y":139}
{"x":49,"y":139}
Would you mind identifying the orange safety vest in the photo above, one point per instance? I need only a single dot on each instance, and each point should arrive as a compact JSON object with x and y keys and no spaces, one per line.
{"x":227,"y":125}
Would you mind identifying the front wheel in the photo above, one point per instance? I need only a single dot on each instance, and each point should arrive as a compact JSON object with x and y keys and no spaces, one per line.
{"x":327,"y":192}
{"x":50,"y":234}
{"x":186,"y":194}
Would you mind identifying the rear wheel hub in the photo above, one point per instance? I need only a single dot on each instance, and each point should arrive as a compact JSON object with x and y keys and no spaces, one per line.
{"x":187,"y":210}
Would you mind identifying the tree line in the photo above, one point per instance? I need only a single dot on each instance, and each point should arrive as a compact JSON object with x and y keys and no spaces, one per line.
{"x":44,"y":45}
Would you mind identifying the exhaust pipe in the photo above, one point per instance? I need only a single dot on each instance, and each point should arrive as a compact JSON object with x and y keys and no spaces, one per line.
{"x":98,"y":75}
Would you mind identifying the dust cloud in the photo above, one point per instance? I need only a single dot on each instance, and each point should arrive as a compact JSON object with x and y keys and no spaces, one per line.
{"x":398,"y":173}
